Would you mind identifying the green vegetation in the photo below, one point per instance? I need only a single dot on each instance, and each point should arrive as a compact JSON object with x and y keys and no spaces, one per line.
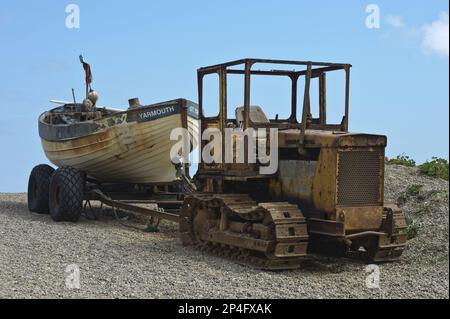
{"x":402,"y":159}
{"x":410,"y":191}
{"x":436,"y":167}
{"x":151,"y":228}
{"x":421,"y":211}
{"x":413,"y":190}
{"x":412,"y":230}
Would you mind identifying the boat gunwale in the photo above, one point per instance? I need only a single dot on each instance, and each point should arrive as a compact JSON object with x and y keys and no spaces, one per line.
{"x":183,"y":103}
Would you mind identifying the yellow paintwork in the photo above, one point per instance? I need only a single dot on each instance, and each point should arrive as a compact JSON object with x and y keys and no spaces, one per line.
{"x":294,"y":184}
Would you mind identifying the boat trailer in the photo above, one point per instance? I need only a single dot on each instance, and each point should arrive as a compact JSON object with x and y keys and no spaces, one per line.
{"x":168,"y":205}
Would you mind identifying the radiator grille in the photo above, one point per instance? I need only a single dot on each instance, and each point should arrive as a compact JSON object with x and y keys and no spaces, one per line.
{"x":358,"y":182}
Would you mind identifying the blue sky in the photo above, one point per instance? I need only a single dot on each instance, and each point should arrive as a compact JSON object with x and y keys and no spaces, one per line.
{"x":152,"y":49}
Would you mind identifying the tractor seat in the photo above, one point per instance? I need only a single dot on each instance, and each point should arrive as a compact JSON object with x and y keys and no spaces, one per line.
{"x":257,"y":115}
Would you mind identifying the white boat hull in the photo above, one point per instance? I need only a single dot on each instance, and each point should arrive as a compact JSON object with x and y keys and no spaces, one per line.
{"x":124,"y":151}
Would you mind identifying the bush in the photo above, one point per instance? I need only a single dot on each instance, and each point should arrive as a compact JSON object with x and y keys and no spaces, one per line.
{"x":412,"y":230}
{"x":402,"y":159}
{"x":436,"y":167}
{"x":413,"y":190}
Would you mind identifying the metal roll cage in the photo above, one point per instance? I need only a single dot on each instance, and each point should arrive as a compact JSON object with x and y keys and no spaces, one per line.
{"x":313,"y":70}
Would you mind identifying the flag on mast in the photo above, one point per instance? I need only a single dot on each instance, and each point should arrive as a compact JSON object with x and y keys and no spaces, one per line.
{"x":87,"y":71}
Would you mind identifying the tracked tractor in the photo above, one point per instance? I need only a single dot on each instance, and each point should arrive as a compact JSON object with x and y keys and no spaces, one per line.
{"x":268,"y":190}
{"x":326,"y":195}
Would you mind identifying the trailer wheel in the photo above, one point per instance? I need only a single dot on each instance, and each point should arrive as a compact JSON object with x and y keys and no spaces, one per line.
{"x":38,"y":188}
{"x":66,"y":194}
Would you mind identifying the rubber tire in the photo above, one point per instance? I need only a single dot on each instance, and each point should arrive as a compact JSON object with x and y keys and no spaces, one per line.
{"x":38,"y":188}
{"x":66,"y":194}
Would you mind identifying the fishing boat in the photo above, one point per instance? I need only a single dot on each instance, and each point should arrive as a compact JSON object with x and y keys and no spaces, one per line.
{"x":111,"y":145}
{"x":130,"y":146}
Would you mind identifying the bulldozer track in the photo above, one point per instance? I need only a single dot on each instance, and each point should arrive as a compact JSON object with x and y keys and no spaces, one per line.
{"x":389,"y":247}
{"x":270,"y":236}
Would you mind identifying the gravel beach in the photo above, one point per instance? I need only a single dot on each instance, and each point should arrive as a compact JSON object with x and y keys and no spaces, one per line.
{"x":119,"y":262}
